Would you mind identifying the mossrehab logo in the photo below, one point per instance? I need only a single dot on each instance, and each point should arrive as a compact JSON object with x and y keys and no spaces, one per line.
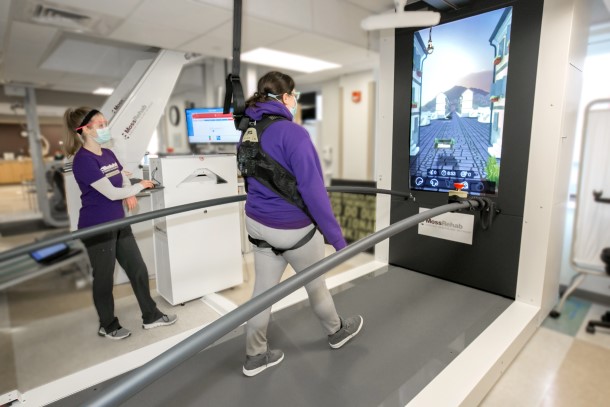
{"x":118,"y":106}
{"x":444,"y":223}
{"x":127,"y":132}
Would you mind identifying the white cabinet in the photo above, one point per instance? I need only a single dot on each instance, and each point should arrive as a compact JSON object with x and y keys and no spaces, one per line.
{"x":197,"y":252}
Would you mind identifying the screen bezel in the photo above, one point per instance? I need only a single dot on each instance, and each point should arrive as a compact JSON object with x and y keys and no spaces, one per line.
{"x":429,"y":76}
{"x":491,"y":263}
{"x":188,"y":123}
{"x":525,"y":36}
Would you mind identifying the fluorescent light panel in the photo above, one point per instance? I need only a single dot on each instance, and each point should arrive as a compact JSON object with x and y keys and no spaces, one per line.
{"x":103,"y":91}
{"x":293,"y":62}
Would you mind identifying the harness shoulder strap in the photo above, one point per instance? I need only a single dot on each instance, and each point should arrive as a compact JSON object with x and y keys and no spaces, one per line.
{"x":255,"y":162}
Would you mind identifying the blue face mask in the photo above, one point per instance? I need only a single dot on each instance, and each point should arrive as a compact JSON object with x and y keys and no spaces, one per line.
{"x":293,"y":110}
{"x":103,"y":135}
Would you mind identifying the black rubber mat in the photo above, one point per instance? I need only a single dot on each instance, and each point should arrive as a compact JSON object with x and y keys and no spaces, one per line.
{"x":414,"y":326}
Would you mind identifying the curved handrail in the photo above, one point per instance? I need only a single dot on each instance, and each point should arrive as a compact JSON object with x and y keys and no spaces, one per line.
{"x":134,"y":381}
{"x":120,"y":223}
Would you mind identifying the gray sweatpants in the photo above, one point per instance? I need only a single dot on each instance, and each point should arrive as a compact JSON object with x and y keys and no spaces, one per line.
{"x":269,"y":269}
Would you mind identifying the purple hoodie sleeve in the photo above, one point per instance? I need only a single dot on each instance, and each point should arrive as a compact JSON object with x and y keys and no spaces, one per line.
{"x":303,"y":159}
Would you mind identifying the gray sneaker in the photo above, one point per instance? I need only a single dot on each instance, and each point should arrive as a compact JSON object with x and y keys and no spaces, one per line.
{"x":117,"y":334}
{"x":349,"y":328}
{"x":163,"y":321}
{"x":256,"y":364}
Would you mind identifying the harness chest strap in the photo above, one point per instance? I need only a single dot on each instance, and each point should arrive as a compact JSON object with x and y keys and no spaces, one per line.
{"x":253,"y":162}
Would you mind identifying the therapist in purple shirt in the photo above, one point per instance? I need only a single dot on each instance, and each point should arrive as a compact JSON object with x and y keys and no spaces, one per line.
{"x":281,"y":224}
{"x":104,"y":189}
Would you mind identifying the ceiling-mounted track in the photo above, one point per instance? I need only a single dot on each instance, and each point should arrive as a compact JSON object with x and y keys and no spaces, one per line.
{"x":446,"y":5}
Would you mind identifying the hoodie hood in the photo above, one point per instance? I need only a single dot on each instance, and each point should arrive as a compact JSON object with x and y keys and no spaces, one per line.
{"x":257,"y":111}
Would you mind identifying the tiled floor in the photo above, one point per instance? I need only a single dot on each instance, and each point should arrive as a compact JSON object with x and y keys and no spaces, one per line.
{"x":561,"y":365}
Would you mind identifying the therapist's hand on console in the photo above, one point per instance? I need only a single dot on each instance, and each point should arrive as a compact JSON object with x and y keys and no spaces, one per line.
{"x":147,"y":183}
{"x":131,"y":202}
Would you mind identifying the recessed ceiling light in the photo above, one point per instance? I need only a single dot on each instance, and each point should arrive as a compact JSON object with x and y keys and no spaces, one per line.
{"x":103,"y":91}
{"x":286,"y":60}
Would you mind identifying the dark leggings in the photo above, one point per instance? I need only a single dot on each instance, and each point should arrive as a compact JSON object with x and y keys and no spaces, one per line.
{"x":106,"y":248}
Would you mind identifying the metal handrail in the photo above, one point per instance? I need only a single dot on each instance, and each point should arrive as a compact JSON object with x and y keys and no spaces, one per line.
{"x":136,"y":380}
{"x":120,"y":223}
{"x":139,"y":378}
{"x":117,"y":224}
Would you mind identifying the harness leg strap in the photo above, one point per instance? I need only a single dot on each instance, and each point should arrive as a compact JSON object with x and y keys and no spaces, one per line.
{"x":263,"y":244}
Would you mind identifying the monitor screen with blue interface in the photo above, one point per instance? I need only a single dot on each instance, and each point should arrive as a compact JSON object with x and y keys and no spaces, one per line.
{"x":210,"y":125}
{"x":457,"y":103}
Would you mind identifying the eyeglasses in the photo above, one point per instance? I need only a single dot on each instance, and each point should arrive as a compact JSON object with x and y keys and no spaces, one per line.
{"x":296,"y":95}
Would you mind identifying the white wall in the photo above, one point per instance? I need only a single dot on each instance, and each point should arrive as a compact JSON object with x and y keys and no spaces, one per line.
{"x":558,"y":83}
{"x":344,"y":142}
{"x":328,"y":139}
{"x":356,"y":127}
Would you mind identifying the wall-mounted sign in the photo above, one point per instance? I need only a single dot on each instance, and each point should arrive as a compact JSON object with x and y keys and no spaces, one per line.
{"x":356,"y":96}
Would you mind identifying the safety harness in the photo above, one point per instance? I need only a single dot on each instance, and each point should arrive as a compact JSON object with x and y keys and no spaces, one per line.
{"x":252,"y":161}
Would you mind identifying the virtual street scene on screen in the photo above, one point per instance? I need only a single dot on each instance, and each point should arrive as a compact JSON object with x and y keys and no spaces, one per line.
{"x":457,"y":103}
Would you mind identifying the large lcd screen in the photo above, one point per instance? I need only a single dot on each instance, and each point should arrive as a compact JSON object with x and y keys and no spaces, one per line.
{"x":210,"y":125}
{"x":457,"y":103}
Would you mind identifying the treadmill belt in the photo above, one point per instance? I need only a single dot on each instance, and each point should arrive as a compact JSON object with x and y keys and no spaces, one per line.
{"x":414,"y":326}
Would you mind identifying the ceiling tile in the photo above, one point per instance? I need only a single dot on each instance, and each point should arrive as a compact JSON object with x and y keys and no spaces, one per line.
{"x":309,"y":44}
{"x":291,"y":13}
{"x":216,"y":43}
{"x":188,"y":16}
{"x":340,"y":20}
{"x":140,"y":32}
{"x":374,"y":6}
{"x":255,"y":33}
{"x":94,"y":57}
{"x":294,"y":13}
{"x":27,"y":43}
{"x":82,"y":83}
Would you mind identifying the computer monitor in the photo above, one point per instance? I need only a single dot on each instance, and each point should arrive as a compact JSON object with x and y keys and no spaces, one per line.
{"x":458,"y":99}
{"x":210,"y":125}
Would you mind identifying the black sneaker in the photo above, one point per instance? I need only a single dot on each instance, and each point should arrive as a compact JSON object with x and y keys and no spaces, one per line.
{"x":120,"y":333}
{"x":349,"y":328}
{"x":256,"y":364}
{"x":163,"y":321}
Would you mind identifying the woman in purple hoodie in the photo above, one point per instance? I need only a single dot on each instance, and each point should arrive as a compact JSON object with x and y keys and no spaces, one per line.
{"x":280,"y":228}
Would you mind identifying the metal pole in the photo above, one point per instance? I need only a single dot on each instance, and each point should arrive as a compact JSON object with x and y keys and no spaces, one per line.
{"x":138,"y":379}
{"x":237,"y":6}
{"x":40,"y":178}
